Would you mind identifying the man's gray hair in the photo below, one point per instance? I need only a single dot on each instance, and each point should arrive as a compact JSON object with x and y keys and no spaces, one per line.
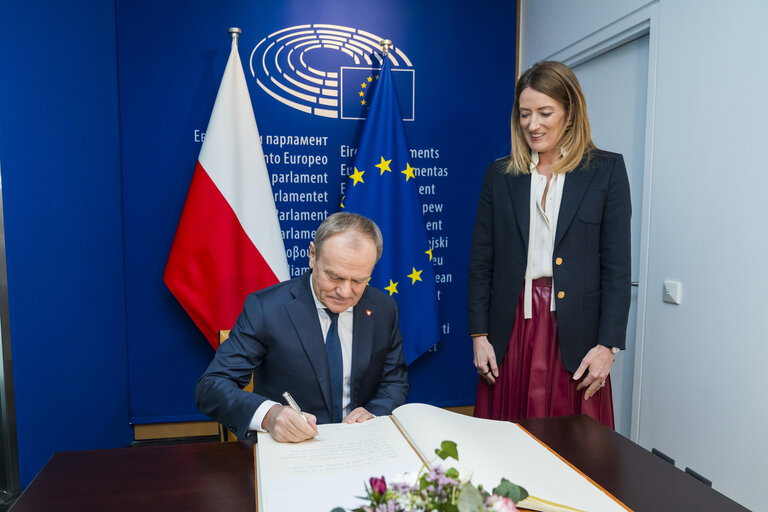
{"x":343,"y":221}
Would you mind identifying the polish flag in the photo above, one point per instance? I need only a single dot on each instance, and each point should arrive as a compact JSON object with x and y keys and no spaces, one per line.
{"x":228,"y":242}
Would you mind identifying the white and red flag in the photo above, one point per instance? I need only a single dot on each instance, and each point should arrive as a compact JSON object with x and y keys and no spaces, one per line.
{"x":228,"y":242}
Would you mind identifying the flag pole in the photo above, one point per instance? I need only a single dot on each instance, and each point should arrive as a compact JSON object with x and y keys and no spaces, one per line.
{"x":235,"y":32}
{"x":386,"y":45}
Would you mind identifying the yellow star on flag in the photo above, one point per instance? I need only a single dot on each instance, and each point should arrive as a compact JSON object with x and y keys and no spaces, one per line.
{"x":342,"y":201}
{"x":363,"y":102}
{"x":363,"y":85}
{"x":384,"y":166}
{"x":408,"y":172}
{"x":357,"y":177}
{"x":362,"y":94}
{"x":392,"y":288}
{"x":415,"y":275}
{"x":428,"y":253}
{"x":369,"y":79}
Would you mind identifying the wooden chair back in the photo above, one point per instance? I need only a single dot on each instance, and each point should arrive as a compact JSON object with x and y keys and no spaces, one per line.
{"x":224,"y":434}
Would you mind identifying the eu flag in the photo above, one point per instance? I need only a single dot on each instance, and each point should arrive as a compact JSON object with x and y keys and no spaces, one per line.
{"x":383,"y":188}
{"x":357,"y":85}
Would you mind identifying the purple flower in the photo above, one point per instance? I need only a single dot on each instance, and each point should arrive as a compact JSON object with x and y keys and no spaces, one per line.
{"x":439,"y":483}
{"x":390,"y":506}
{"x":404,"y":488}
{"x":378,"y":485}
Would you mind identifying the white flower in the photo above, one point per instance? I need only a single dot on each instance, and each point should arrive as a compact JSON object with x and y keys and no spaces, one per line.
{"x":465,"y":475}
{"x":403,"y":501}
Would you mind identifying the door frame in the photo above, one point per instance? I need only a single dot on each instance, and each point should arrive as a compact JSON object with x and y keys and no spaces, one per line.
{"x":641,"y":22}
{"x":10,"y":464}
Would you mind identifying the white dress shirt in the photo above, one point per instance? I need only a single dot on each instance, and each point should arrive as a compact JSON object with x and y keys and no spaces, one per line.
{"x":542,"y":230}
{"x":345,"y":336}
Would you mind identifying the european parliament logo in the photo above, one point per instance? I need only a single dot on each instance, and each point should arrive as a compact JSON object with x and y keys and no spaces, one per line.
{"x":329,"y":70}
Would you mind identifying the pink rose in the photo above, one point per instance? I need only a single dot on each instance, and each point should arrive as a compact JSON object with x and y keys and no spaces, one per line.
{"x":501,"y":504}
{"x":378,"y":485}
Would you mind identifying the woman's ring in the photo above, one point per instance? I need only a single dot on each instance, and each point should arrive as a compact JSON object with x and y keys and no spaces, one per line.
{"x":602,"y":384}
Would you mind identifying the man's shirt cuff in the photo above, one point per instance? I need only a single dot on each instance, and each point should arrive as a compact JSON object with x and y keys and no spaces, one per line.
{"x":258,"y":416}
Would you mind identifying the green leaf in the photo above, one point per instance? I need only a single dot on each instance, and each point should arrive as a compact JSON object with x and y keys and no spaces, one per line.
{"x":470,"y":499}
{"x":447,"y":449}
{"x":450,"y":507}
{"x":452,"y":473}
{"x":511,"y":491}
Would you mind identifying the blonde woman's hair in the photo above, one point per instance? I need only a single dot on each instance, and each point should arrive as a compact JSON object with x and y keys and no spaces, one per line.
{"x":557,"y":81}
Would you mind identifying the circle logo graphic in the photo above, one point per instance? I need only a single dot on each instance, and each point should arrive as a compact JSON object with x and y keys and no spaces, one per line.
{"x":327,"y":70}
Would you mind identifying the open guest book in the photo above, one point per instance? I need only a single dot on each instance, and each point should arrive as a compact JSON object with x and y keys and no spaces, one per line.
{"x":333,"y":469}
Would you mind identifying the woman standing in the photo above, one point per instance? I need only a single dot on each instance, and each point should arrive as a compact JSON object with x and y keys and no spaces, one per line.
{"x":549,"y":276}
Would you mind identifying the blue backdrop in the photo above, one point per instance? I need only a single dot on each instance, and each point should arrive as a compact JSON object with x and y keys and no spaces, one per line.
{"x":457,"y":88}
{"x":62,"y":200}
{"x":102,"y":112}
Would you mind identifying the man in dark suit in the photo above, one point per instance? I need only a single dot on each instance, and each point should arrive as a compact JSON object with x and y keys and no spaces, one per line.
{"x":289,"y":336}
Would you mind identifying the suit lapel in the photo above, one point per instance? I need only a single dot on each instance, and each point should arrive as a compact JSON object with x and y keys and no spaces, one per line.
{"x":519,"y":188}
{"x":576,"y":184}
{"x":363,"y":326}
{"x":303,"y":314}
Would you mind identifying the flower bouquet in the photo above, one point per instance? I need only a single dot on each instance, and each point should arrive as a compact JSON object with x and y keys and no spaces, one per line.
{"x":439,"y":490}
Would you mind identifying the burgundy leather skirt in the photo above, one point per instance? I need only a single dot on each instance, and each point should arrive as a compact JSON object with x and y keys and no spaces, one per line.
{"x":533,"y":382}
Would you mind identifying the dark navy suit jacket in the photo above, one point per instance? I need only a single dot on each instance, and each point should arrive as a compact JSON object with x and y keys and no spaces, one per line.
{"x":278,"y":338}
{"x":591,"y":257}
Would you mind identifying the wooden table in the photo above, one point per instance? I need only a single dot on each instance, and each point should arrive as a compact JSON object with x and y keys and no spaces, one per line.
{"x":220,"y":476}
{"x":641,"y":480}
{"x":179,"y":478}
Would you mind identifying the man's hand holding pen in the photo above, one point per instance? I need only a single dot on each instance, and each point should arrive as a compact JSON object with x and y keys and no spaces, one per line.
{"x":289,"y":426}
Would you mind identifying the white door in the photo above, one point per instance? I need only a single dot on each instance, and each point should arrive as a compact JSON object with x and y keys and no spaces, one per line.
{"x":615,"y":85}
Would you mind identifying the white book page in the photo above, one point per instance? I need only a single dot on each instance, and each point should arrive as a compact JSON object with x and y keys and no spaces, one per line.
{"x":332,"y":470}
{"x":496,"y":449}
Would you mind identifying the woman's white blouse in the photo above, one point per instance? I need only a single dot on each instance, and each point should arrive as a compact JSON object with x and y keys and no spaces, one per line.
{"x":542,"y":230}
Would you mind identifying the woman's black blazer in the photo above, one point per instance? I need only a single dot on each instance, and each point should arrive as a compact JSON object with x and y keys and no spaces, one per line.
{"x":591,"y":257}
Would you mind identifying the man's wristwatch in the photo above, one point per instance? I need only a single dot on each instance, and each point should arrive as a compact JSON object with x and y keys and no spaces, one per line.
{"x":615,"y":350}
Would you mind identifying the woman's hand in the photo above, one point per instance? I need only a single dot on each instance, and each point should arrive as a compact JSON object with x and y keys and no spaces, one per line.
{"x":597,"y":363}
{"x":485,"y":359}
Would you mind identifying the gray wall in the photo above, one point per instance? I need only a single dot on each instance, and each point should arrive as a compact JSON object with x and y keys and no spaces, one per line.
{"x":699,"y":372}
